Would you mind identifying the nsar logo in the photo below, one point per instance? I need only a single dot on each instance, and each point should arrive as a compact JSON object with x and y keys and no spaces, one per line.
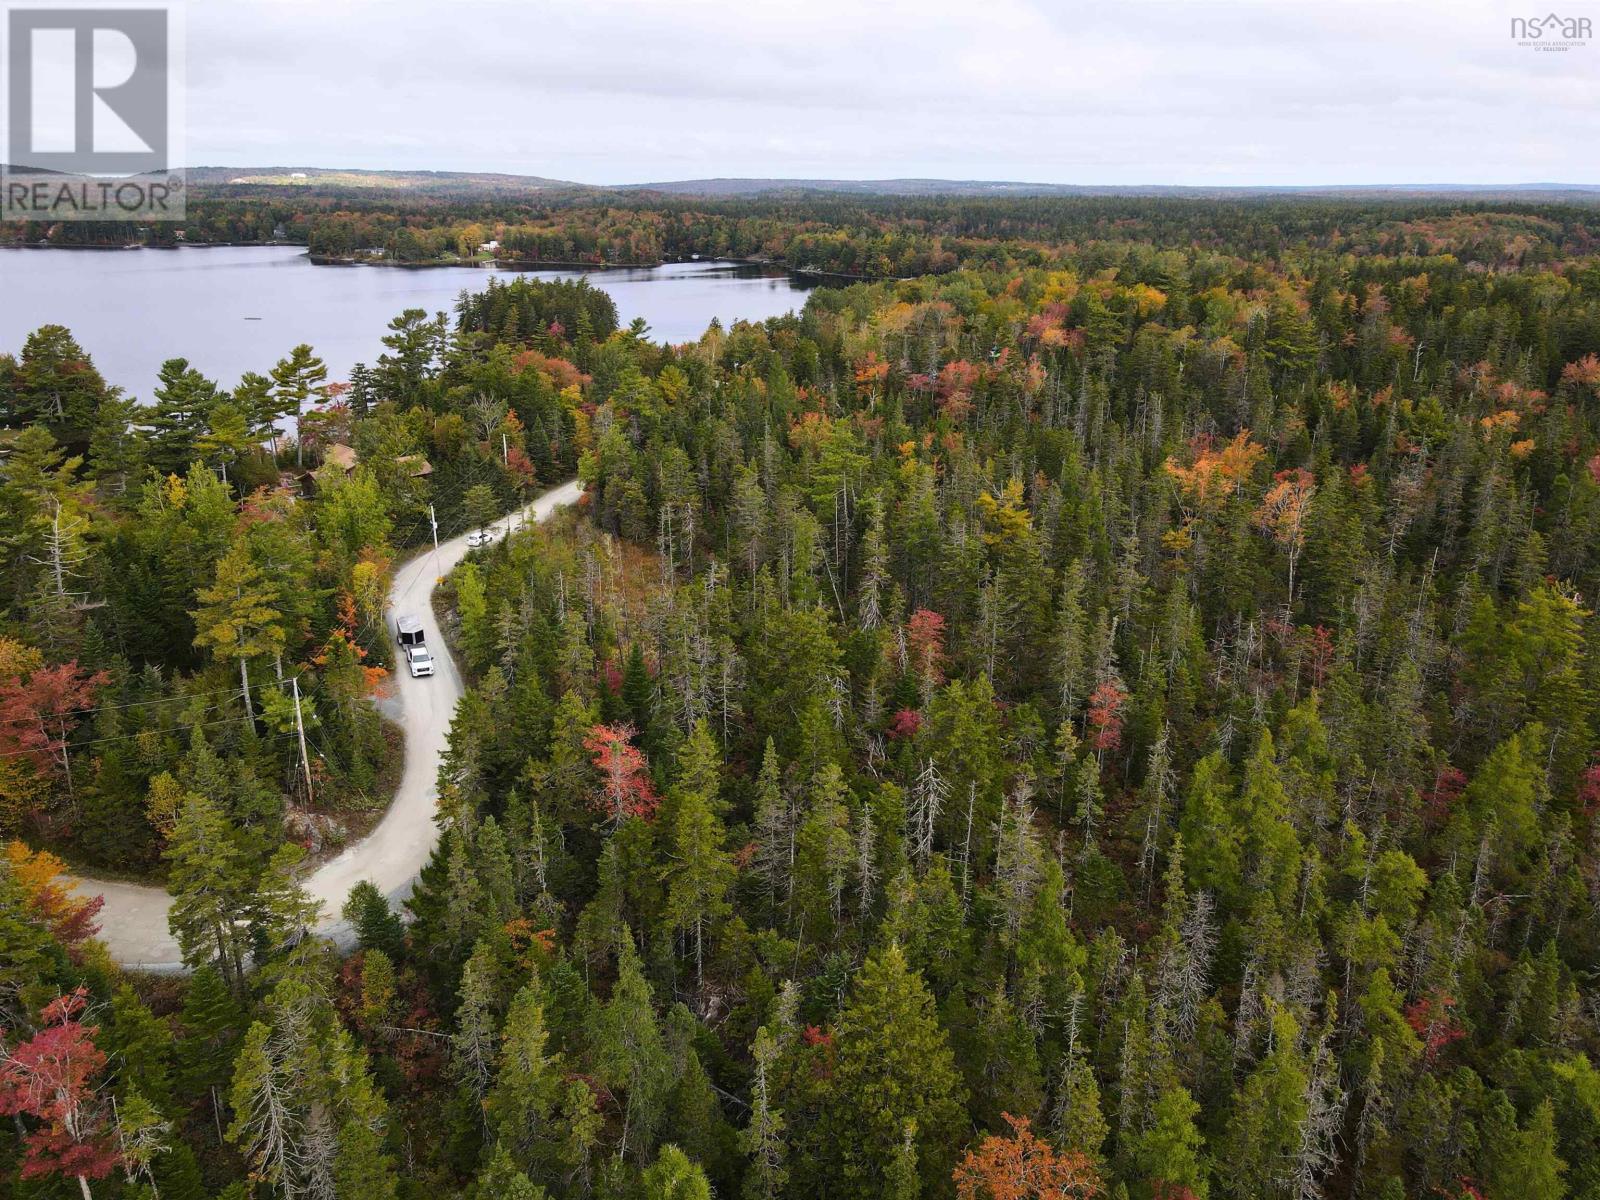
{"x":1552,"y":32}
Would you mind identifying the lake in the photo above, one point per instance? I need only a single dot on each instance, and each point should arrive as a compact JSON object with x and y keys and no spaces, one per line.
{"x":231,"y":309}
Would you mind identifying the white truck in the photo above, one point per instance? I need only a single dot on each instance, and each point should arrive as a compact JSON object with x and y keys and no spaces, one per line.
{"x":413,"y":644}
{"x":419,"y":660}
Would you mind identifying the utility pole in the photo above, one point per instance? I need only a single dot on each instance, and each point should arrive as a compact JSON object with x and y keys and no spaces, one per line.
{"x":300,"y":729}
{"x":434,"y":521}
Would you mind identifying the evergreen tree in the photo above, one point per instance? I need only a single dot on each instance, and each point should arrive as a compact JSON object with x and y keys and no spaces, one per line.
{"x":183,"y":401}
{"x":894,"y":1070}
{"x":522,"y":1104}
{"x":294,"y":381}
{"x":1167,"y":1156}
{"x":631,"y":1055}
{"x":698,"y":874}
{"x":211,"y":890}
{"x":376,"y":925}
{"x":239,"y":616}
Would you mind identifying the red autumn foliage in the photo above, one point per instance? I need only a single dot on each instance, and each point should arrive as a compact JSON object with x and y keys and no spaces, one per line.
{"x":1585,"y":372}
{"x":50,"y":1078}
{"x":1448,"y":784}
{"x":1319,"y":652}
{"x":1105,"y":715}
{"x":561,"y":373}
{"x":532,"y":944}
{"x":905,"y":724}
{"x":1021,"y":1167}
{"x":815,"y":1037}
{"x":925,"y":643}
{"x":38,"y":715}
{"x":958,"y":378}
{"x":625,"y":774}
{"x":1432,"y":1018}
{"x":1589,"y":789}
{"x":956,"y":381}
{"x":519,"y":466}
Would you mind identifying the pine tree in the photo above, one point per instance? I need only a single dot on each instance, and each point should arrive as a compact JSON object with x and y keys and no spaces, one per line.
{"x":239,"y":616}
{"x":774,"y":830}
{"x":265,"y":1122}
{"x":698,"y":874}
{"x":1168,"y":1157}
{"x":211,"y":890}
{"x":376,"y":925}
{"x":1524,"y":1162}
{"x":903,"y":1181}
{"x":894,"y":1068}
{"x":295,"y":380}
{"x":527,"y":1088}
{"x":212,"y":1022}
{"x":762,"y":1139}
{"x":183,"y":400}
{"x":140,"y":1047}
{"x":1270,"y":1111}
{"x":226,"y":438}
{"x":631,"y":1055}
{"x":1269,"y":843}
{"x":504,"y":1181}
{"x":673,"y":1177}
{"x":473,"y":1047}
{"x":307,"y":1116}
{"x":1077,"y":1121}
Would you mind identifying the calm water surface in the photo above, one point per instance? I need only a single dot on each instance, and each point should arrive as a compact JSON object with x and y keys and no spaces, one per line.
{"x":231,"y":309}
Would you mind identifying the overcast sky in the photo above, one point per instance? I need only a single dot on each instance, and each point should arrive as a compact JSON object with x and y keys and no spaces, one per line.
{"x":1064,"y":91}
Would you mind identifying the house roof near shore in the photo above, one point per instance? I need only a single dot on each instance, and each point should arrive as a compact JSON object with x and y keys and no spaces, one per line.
{"x":415,"y":465}
{"x":341,"y":456}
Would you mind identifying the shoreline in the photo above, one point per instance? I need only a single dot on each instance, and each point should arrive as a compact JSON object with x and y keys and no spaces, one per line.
{"x":498,"y":264}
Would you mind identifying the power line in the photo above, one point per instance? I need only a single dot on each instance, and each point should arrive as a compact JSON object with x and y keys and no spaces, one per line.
{"x":123,"y":737}
{"x":227,"y":691}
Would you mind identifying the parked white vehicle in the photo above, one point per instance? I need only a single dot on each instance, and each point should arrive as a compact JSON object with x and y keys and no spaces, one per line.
{"x":419,"y":660}
{"x":480,"y":537}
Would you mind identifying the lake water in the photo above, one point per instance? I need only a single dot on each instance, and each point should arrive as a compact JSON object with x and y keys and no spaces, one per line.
{"x":231,"y":309}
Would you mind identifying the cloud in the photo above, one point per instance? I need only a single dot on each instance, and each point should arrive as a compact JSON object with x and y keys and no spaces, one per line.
{"x":1072,"y":91}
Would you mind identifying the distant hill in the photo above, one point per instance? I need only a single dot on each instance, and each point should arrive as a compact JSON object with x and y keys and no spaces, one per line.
{"x":983,"y":187}
{"x":454,"y":181}
{"x":863,"y":187}
{"x":727,"y":187}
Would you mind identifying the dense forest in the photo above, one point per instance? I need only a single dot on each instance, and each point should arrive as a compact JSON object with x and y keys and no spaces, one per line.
{"x":1113,"y":714}
{"x":872,"y":237}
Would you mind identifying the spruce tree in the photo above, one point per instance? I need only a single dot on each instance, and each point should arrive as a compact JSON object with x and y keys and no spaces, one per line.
{"x":894,"y":1070}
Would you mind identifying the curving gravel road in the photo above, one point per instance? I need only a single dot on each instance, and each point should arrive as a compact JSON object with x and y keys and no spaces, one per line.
{"x":134,"y":919}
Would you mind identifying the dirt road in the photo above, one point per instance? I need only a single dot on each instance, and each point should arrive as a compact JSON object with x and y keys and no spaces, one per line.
{"x":134,"y":920}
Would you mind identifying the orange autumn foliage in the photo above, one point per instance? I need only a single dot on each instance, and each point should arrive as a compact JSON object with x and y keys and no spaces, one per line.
{"x":47,"y":888}
{"x":1216,"y":473}
{"x":1283,"y":509}
{"x":1021,"y":1167}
